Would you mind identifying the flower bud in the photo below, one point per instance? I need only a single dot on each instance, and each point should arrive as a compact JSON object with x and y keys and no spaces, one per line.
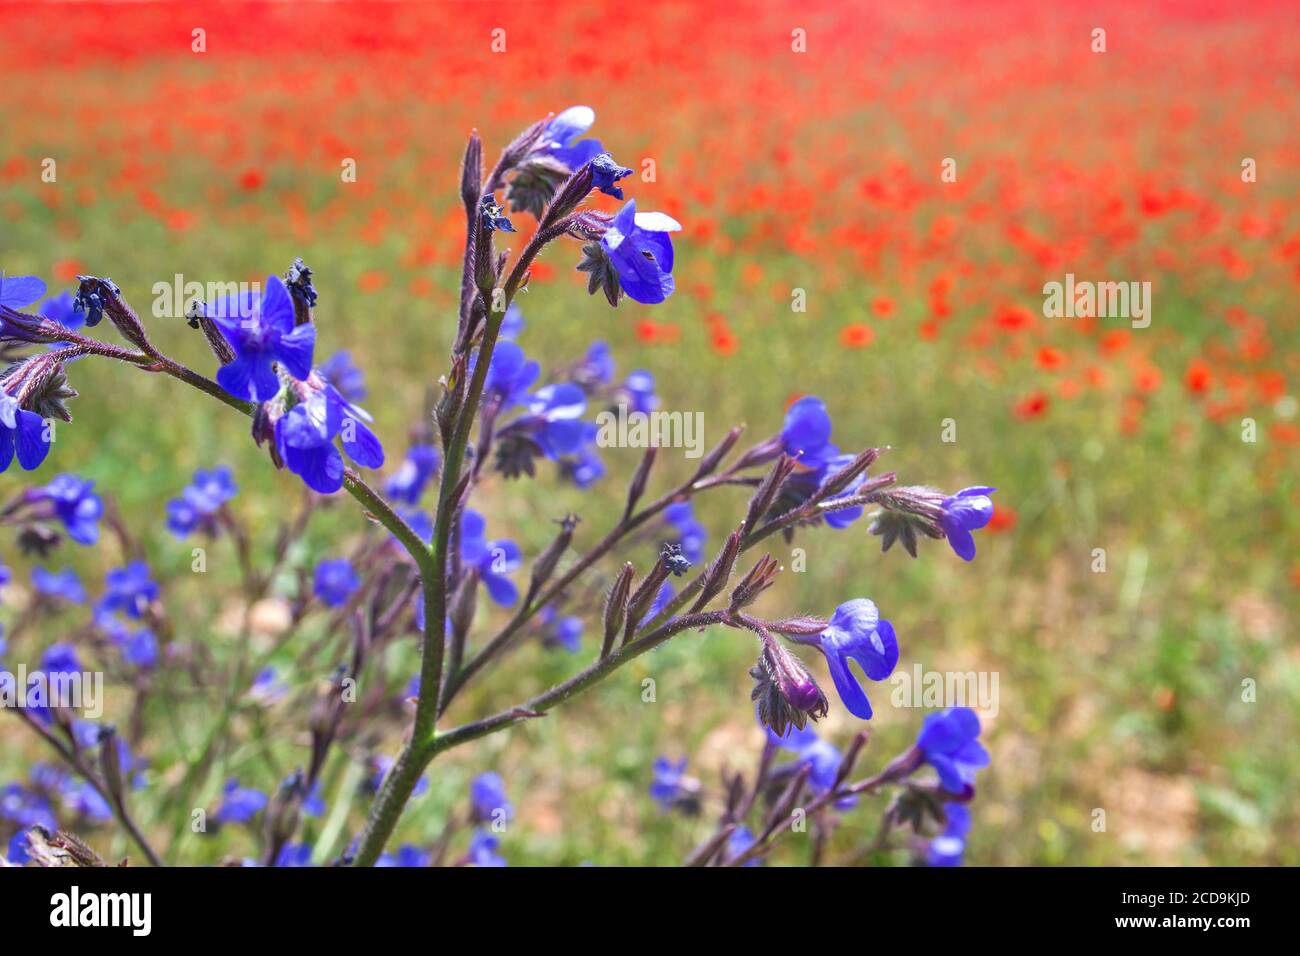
{"x":616,"y":606}
{"x":784,"y":690}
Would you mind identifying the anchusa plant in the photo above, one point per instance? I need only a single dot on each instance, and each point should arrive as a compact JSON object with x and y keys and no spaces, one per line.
{"x":320,"y":633}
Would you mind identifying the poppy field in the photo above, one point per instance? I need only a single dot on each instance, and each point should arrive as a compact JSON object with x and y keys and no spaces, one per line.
{"x":1006,"y":249}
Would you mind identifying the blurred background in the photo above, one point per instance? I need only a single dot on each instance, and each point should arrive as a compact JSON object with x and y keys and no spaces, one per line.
{"x":819,"y":171}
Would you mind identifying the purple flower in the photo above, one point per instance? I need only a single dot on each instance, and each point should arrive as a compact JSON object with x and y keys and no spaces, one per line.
{"x":261,"y":331}
{"x":406,"y":856}
{"x":691,"y":535}
{"x":857,"y":632}
{"x":948,"y":742}
{"x":18,"y":292}
{"x":493,"y":559}
{"x":76,"y":505}
{"x":586,"y":467}
{"x":740,"y":841}
{"x":641,"y":253}
{"x":60,"y":659}
{"x":294,"y":855}
{"x":510,"y":375}
{"x":559,"y":139}
{"x":139,"y":648}
{"x":487,"y":795}
{"x":21,"y":432}
{"x":483,"y":850}
{"x":62,"y":309}
{"x":640,"y":388}
{"x":968,"y":510}
{"x":305,"y":439}
{"x":62,"y":585}
{"x":336,"y":581}
{"x":605,"y":173}
{"x":806,"y":433}
{"x":565,"y":632}
{"x":200,"y":501}
{"x":128,"y":590}
{"x":596,"y":367}
{"x":239,"y":804}
{"x":669,"y":785}
{"x":554,"y":419}
{"x":947,"y":848}
{"x":823,"y":759}
{"x":408,"y":482}
{"x":340,"y":372}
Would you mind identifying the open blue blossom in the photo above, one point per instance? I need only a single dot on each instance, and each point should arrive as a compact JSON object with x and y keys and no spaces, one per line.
{"x":294,"y":855}
{"x":585,"y":468}
{"x":968,"y":510}
{"x":641,"y":252}
{"x":640,"y":388}
{"x":512,"y":323}
{"x":62,"y":309}
{"x":740,"y":841}
{"x":690,"y":534}
{"x":200,"y":501}
{"x":239,"y":804}
{"x":510,"y":375}
{"x":261,"y":331}
{"x":560,"y":141}
{"x":305,"y":439}
{"x":340,"y":372}
{"x":22,"y":433}
{"x":494,"y":560}
{"x":483,"y":850}
{"x":76,"y":505}
{"x":128,"y":590}
{"x":554,"y":419}
{"x":139,"y":648}
{"x":85,"y":801}
{"x":336,"y":581}
{"x":949,"y":743}
{"x":417,"y":469}
{"x":487,"y":795}
{"x":61,"y":585}
{"x":947,"y":848}
{"x":596,"y":367}
{"x":857,"y":632}
{"x":806,"y":433}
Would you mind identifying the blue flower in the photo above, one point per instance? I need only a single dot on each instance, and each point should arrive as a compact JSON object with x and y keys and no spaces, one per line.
{"x":565,"y":632}
{"x":340,"y":372}
{"x":605,"y":173}
{"x":822,"y":758}
{"x":305,"y":439}
{"x":487,"y":795}
{"x":76,"y":505}
{"x":554,"y":419}
{"x":857,"y":632}
{"x":585,"y":468}
{"x":691,"y":535}
{"x":806,"y":433}
{"x":968,"y":510}
{"x":62,"y":309}
{"x":60,"y":659}
{"x":512,"y":323}
{"x":408,"y":482}
{"x":641,"y":252}
{"x":406,"y":856}
{"x":261,"y":331}
{"x":200,"y":501}
{"x":669,"y":784}
{"x":313,"y":804}
{"x":266,"y":687}
{"x":483,"y":850}
{"x":947,"y":848}
{"x":336,"y":581}
{"x":18,"y":292}
{"x":559,"y":139}
{"x":510,"y":374}
{"x":948,"y":742}
{"x":21,"y":432}
{"x":294,"y":855}
{"x":661,"y":600}
{"x":62,"y":585}
{"x":640,"y":388}
{"x":239,"y":804}
{"x":128,"y":590}
{"x":86,"y":802}
{"x":139,"y":648}
{"x":493,"y":559}
{"x":740,"y":841}
{"x":596,"y":367}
